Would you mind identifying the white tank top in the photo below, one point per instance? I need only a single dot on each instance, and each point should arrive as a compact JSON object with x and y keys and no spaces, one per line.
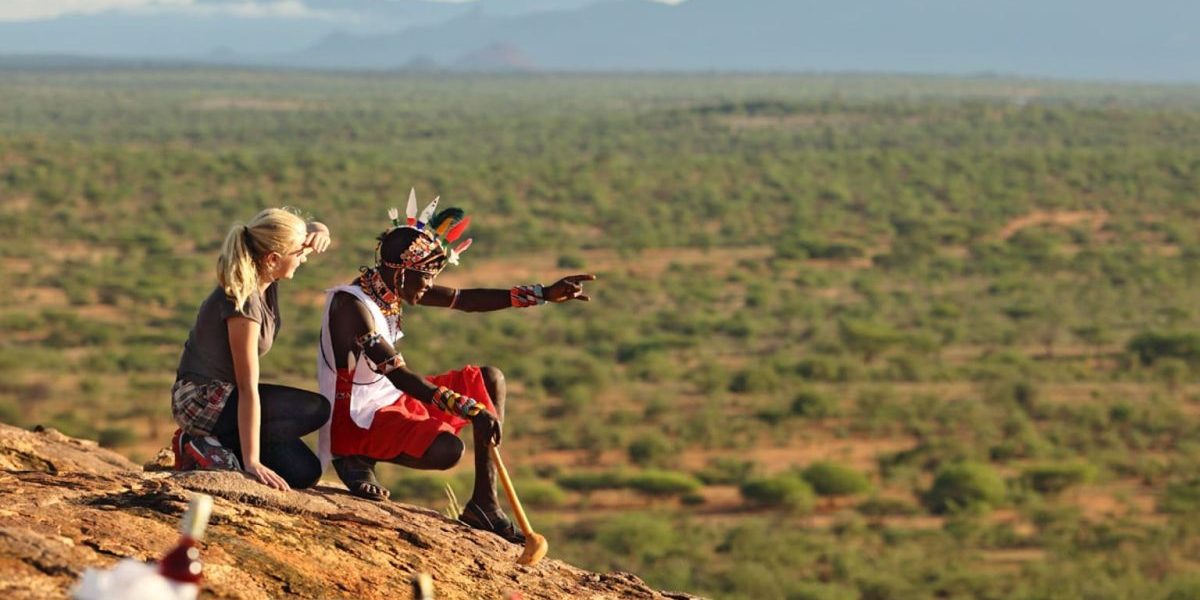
{"x":371,"y":391}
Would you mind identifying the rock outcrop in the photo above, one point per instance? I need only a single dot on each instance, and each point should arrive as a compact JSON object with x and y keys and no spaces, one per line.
{"x":67,"y":504}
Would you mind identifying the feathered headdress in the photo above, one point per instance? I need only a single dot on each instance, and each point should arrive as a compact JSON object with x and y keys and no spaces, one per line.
{"x":438,"y":230}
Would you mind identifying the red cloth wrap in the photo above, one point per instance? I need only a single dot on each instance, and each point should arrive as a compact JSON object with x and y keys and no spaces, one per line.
{"x":407,"y":426}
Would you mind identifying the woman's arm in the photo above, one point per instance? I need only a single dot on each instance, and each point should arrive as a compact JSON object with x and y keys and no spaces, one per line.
{"x":318,"y":237}
{"x":243,"y":343}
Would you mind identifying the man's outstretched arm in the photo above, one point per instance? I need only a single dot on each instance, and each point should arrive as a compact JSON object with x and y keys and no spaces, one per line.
{"x":485,"y":300}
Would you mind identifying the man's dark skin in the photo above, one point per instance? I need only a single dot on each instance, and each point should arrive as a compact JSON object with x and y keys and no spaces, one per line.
{"x":350,"y":318}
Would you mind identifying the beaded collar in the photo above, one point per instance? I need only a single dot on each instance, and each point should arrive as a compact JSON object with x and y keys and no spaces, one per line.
{"x":372,"y":284}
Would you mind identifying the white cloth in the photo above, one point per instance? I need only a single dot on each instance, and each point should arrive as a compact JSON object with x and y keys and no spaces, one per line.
{"x":131,"y":580}
{"x":371,"y":391}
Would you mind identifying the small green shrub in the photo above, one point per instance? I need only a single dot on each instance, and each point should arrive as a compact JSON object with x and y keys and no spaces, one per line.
{"x":786,"y":491}
{"x":814,"y":405}
{"x":886,"y":507}
{"x":828,"y":368}
{"x":965,"y":486}
{"x":571,"y":261}
{"x":590,"y":481}
{"x":1153,"y":345}
{"x":10,"y":413}
{"x":759,"y":378}
{"x":804,"y":590}
{"x":663,"y":483}
{"x":726,"y":471}
{"x":832,"y":479}
{"x":414,"y":487}
{"x":649,"y":450}
{"x":1181,"y":498}
{"x":541,"y":494}
{"x":116,"y":437}
{"x":640,"y":536}
{"x":1184,"y":587}
{"x":1052,"y":479}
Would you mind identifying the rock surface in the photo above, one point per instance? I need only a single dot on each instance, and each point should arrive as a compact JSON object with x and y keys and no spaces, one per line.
{"x":67,"y":504}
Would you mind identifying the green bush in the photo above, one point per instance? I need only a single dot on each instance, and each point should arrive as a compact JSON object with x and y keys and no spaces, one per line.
{"x":571,"y":261}
{"x":541,"y":494}
{"x":832,"y":479}
{"x":594,"y":480}
{"x":886,"y":507}
{"x":116,"y":437}
{"x":649,"y":450}
{"x":804,"y":590}
{"x":868,"y":338}
{"x":639,"y":536}
{"x":10,"y":413}
{"x":726,"y":470}
{"x":965,"y":486}
{"x":1052,"y":479}
{"x":415,"y":487}
{"x":1153,"y":345}
{"x":828,"y":368}
{"x":663,"y":483}
{"x":758,"y":378}
{"x":814,"y":405}
{"x":1184,"y":587}
{"x":787,"y":491}
{"x":1181,"y":498}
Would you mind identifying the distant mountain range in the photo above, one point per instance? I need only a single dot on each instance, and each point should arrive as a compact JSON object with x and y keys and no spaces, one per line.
{"x":1155,"y":40}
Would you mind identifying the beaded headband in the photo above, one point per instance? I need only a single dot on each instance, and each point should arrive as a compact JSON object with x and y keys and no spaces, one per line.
{"x":430,"y":252}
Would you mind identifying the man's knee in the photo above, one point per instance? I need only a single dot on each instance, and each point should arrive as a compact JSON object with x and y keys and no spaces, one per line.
{"x":493,"y":378}
{"x":445,"y":452}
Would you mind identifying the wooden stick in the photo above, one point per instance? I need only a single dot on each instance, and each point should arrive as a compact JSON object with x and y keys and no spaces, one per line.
{"x":512,"y":494}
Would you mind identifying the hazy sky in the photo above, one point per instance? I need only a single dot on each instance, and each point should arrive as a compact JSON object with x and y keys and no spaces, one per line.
{"x":28,"y":10}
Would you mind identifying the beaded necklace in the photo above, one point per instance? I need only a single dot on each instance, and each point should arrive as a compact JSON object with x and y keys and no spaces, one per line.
{"x":371,"y":283}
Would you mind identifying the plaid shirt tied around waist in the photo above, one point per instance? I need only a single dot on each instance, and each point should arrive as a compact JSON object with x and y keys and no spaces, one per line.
{"x":196,"y":406}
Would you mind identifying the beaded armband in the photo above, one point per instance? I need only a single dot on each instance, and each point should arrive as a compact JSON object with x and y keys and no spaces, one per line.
{"x":455,"y":403}
{"x":527,"y":295}
{"x":368,"y":340}
{"x":391,"y":364}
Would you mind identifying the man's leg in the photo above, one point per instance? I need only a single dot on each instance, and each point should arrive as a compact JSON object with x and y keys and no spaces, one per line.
{"x":484,"y":495}
{"x":358,"y":472}
{"x":445,"y":452}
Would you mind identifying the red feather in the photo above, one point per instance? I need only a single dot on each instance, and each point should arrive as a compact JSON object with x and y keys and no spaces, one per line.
{"x":458,"y":230}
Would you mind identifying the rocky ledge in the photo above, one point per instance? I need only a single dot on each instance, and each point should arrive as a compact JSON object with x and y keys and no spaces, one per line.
{"x":67,"y":504}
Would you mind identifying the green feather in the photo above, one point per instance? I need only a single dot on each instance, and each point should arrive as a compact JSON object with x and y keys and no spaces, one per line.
{"x":447,"y":213}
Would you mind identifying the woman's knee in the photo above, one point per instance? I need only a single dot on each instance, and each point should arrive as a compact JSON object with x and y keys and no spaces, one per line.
{"x":313,"y":410}
{"x":303,"y":474}
{"x":303,"y":481}
{"x":321,"y":411}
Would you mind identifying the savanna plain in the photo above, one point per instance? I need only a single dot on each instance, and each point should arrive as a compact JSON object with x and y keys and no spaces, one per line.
{"x":871,"y":337}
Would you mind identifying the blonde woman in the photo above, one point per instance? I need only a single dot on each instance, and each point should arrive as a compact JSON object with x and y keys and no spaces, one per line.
{"x":227,"y":418}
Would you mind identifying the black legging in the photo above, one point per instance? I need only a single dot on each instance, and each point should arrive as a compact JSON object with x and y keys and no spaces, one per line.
{"x":286,"y":415}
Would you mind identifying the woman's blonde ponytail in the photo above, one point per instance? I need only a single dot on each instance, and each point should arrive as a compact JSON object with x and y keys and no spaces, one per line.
{"x":239,"y":267}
